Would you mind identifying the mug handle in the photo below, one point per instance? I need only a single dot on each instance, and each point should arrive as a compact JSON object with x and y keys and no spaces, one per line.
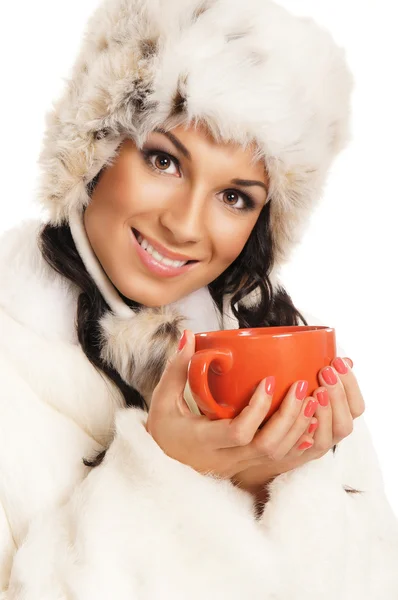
{"x":198,"y":372}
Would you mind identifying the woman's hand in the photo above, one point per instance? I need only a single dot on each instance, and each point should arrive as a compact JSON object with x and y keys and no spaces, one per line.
{"x":230,"y":447}
{"x":340,"y":401}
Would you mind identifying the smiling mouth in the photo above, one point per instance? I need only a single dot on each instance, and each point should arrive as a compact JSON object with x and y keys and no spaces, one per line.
{"x":137,"y":234}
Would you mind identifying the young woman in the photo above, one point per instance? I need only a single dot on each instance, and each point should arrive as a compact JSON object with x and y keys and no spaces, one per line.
{"x":180,"y":168}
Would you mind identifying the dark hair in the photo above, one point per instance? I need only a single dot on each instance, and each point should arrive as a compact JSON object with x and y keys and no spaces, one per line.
{"x":249,"y":271}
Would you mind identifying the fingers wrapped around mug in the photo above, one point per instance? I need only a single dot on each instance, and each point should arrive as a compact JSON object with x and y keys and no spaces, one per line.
{"x":343,"y":368}
{"x":287,"y":429}
{"x":340,"y":401}
{"x":323,"y":434}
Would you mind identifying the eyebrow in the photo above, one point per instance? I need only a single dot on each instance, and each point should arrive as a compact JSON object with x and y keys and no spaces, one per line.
{"x":185,"y":152}
{"x":176,"y":142}
{"x":249,"y":183}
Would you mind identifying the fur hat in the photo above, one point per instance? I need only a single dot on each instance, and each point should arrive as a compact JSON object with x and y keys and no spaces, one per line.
{"x":251,"y":71}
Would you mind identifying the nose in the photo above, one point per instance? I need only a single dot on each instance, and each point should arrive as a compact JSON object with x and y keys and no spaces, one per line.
{"x":185,"y":217}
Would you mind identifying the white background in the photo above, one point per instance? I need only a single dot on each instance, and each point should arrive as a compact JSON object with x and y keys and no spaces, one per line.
{"x":345,"y":270}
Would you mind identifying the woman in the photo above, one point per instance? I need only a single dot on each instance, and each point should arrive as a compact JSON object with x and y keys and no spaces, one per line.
{"x":200,"y":132}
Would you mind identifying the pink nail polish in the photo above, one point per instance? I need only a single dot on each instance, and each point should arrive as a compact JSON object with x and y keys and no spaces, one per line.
{"x":270,"y":385}
{"x":312,"y":427}
{"x":323,"y":398}
{"x":310,"y":408}
{"x":329,"y":376}
{"x":305,"y":445}
{"x":340,"y":366}
{"x":301,"y":390}
{"x":183,"y":341}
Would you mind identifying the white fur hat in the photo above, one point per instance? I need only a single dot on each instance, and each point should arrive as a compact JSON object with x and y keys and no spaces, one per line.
{"x":250,"y":70}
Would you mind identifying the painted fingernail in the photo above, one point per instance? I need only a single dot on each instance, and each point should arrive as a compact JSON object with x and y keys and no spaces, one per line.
{"x":301,"y":390}
{"x":305,"y":445}
{"x":310,"y":408}
{"x":269,"y":384}
{"x":329,"y":376}
{"x":340,"y":366}
{"x":183,"y":341}
{"x":312,"y":427}
{"x":350,"y":362}
{"x":323,"y":398}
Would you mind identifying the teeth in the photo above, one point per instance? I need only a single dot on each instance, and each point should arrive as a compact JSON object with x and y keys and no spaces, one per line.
{"x":161,"y":259}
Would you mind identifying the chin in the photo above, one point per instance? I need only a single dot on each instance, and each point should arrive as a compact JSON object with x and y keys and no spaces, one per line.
{"x":152,"y":293}
{"x":150,"y":300}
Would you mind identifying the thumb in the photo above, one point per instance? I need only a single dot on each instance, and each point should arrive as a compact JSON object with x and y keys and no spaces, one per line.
{"x":174,"y":377}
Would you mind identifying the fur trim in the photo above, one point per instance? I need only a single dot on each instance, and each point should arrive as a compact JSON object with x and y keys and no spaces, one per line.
{"x":251,"y":71}
{"x":139,"y":347}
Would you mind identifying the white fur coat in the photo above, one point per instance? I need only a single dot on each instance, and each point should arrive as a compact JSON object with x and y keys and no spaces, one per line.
{"x":141,"y":525}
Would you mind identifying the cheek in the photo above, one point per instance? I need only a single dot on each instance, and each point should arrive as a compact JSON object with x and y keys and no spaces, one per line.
{"x":123,"y":190}
{"x":141,"y":197}
{"x":229,"y":243}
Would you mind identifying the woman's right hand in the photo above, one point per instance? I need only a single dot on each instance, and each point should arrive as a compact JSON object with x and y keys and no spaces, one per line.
{"x":226,"y":447}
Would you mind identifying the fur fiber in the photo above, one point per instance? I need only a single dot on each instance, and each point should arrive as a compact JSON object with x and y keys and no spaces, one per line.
{"x":143,"y":526}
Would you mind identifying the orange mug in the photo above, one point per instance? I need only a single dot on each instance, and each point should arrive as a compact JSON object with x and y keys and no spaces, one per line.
{"x":228,"y":365}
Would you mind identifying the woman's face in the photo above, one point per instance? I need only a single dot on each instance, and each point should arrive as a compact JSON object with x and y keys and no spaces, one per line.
{"x":186,"y":195}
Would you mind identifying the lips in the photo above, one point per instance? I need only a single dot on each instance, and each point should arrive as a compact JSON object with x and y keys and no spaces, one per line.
{"x":162,"y":252}
{"x":160,"y":269}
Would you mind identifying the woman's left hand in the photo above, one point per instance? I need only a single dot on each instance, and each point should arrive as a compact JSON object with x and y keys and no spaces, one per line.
{"x":340,"y":401}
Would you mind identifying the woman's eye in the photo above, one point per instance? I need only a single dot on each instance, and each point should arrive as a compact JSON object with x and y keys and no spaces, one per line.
{"x":163,"y":162}
{"x":232,"y":199}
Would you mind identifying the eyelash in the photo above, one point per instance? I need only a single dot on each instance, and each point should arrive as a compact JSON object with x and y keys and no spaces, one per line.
{"x":148,"y":153}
